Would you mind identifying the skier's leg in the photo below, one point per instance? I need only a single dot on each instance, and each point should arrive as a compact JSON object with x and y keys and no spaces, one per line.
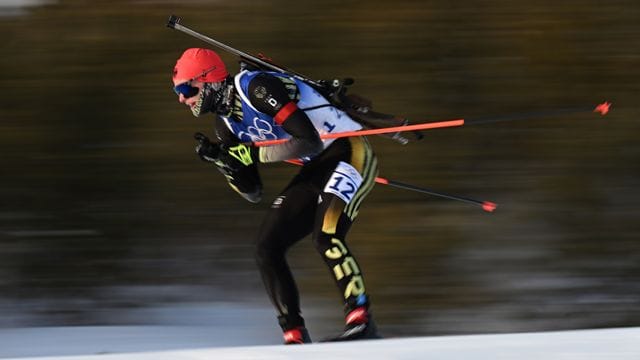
{"x":346,"y":187}
{"x":289,"y":219}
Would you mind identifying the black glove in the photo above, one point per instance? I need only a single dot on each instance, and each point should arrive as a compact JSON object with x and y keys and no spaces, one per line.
{"x":230,"y":155}
{"x":238,"y":163}
{"x":206,"y":150}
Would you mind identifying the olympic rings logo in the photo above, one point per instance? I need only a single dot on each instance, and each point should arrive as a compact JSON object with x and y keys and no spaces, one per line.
{"x":261,"y":130}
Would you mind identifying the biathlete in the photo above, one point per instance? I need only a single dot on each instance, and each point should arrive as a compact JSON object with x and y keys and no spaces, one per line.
{"x":323,"y":199}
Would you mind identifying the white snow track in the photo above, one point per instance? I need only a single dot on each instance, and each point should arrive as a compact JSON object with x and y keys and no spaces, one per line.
{"x":604,"y":344}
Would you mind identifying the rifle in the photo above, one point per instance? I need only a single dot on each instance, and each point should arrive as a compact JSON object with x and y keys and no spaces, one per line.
{"x":335,"y":90}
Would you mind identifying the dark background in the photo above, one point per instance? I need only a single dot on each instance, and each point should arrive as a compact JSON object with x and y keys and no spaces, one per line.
{"x":105,"y":208}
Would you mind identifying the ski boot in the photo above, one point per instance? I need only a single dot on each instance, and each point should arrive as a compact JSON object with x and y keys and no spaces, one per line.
{"x":296,"y":336}
{"x":293,"y":330}
{"x":358,"y":326}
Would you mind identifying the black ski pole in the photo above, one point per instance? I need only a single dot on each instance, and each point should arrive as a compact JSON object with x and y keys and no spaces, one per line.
{"x":487,"y":206}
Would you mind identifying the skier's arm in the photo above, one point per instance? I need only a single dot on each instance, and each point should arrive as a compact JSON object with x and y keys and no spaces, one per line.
{"x":236,"y":163}
{"x":269,"y":95}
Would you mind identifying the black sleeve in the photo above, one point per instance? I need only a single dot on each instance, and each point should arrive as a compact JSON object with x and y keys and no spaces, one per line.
{"x":223,"y":133}
{"x":269,"y":95}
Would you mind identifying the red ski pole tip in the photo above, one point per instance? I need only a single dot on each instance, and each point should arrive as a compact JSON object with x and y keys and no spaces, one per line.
{"x":603,"y":108}
{"x":489,"y":206}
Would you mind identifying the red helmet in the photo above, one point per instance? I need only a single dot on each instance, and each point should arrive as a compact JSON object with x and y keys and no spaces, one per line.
{"x":201,"y":65}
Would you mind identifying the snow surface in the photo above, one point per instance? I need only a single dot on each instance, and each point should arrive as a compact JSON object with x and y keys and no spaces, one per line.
{"x":134,"y":343}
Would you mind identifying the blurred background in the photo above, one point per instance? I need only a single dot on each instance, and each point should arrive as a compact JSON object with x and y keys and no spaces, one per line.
{"x":107,"y":216}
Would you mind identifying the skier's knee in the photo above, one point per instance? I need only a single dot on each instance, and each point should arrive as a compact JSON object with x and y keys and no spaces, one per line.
{"x":265,"y":254}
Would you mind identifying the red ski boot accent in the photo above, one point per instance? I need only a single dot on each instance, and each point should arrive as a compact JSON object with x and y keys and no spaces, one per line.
{"x":357,"y":316}
{"x":299,"y":335}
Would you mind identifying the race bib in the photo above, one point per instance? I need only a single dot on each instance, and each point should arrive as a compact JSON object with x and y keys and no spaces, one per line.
{"x":344,"y":182}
